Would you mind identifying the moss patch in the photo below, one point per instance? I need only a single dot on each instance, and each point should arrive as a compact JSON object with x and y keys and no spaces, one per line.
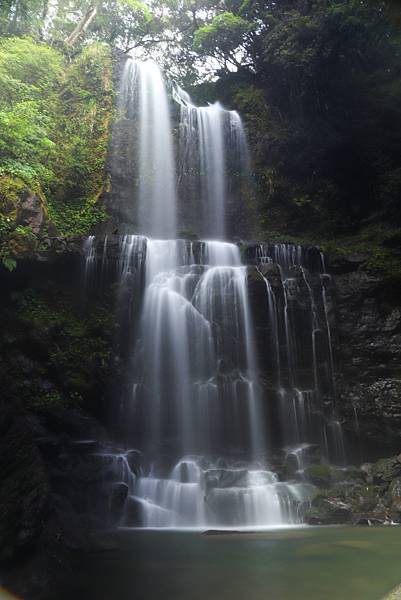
{"x":54,"y":354}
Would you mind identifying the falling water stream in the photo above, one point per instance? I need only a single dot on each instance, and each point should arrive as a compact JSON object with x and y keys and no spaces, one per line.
{"x":143,"y":96}
{"x":196,"y":408}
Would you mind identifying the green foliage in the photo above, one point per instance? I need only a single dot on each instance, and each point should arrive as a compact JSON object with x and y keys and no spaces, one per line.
{"x":83,"y":114}
{"x":33,"y":66}
{"x":317,"y":83}
{"x":54,"y":122}
{"x":323,"y":116}
{"x":14,"y":237}
{"x":379,"y":243}
{"x":24,"y":139}
{"x":29,"y":74}
{"x":140,"y":9}
{"x":9,"y":263}
{"x":223,"y":36}
{"x":21,"y":17}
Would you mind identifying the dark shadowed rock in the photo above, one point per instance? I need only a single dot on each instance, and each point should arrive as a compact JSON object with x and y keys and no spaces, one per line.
{"x":24,"y":485}
{"x":119,"y":492}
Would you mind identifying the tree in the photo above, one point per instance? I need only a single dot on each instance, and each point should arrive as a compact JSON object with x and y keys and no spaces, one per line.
{"x":226,"y":38}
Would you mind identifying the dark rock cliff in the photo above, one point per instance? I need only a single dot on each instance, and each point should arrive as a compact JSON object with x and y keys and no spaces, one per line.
{"x":368,"y":351}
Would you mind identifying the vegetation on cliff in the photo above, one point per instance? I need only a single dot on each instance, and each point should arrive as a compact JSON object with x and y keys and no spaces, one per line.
{"x":55,"y":353}
{"x":319,"y":89}
{"x":54,"y":116}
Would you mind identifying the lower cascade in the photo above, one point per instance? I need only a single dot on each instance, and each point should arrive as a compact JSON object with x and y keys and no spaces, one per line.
{"x":194,"y":405}
{"x":203,"y":493}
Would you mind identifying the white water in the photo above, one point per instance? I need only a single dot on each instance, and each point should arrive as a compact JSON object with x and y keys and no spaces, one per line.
{"x":197,"y":394}
{"x":144,"y":94}
{"x":212,"y":142}
{"x":297,"y":401}
{"x":196,"y":316}
{"x":202,"y":493}
{"x":195,"y":405}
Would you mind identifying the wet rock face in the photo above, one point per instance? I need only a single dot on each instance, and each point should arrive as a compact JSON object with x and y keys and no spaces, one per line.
{"x":364,"y":314}
{"x":368,"y":352}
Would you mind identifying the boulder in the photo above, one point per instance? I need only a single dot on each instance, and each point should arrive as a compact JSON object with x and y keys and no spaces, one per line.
{"x":320,"y":475}
{"x":31,"y":213}
{"x":133,"y":513}
{"x":119,"y":493}
{"x":385,"y":470}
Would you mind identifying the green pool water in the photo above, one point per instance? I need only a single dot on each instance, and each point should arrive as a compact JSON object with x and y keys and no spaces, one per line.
{"x":305,"y":564}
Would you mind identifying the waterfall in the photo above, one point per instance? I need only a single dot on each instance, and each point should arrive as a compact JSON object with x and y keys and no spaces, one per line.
{"x":219,"y":425}
{"x":197,"y":365}
{"x":195,"y":405}
{"x":143,"y":98}
{"x":89,"y":251}
{"x":203,"y":133}
{"x":205,"y":194}
{"x":213,"y":156}
{"x":196,"y":398}
{"x":307,"y":401}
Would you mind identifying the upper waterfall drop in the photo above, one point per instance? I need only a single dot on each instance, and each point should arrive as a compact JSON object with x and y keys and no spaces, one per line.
{"x":176,"y":169}
{"x":144,"y":98}
{"x":214,"y":157}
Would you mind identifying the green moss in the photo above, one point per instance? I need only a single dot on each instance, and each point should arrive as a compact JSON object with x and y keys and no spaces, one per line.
{"x":386,"y":469}
{"x":64,"y":352}
{"x":11,"y":190}
{"x":319,"y":475}
{"x":43,"y":401}
{"x":16,"y":240}
{"x":378,"y":244}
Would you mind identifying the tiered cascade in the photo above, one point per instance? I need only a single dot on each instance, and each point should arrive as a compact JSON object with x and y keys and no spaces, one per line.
{"x":225,"y":401}
{"x":195,"y":404}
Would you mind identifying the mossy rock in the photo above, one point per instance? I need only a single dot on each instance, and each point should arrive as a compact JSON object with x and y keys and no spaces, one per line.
{"x":347,"y":474}
{"x":320,"y":475}
{"x":346,"y":502}
{"x":327,"y":510}
{"x":385,"y":470}
{"x":11,"y":192}
{"x":23,"y":216}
